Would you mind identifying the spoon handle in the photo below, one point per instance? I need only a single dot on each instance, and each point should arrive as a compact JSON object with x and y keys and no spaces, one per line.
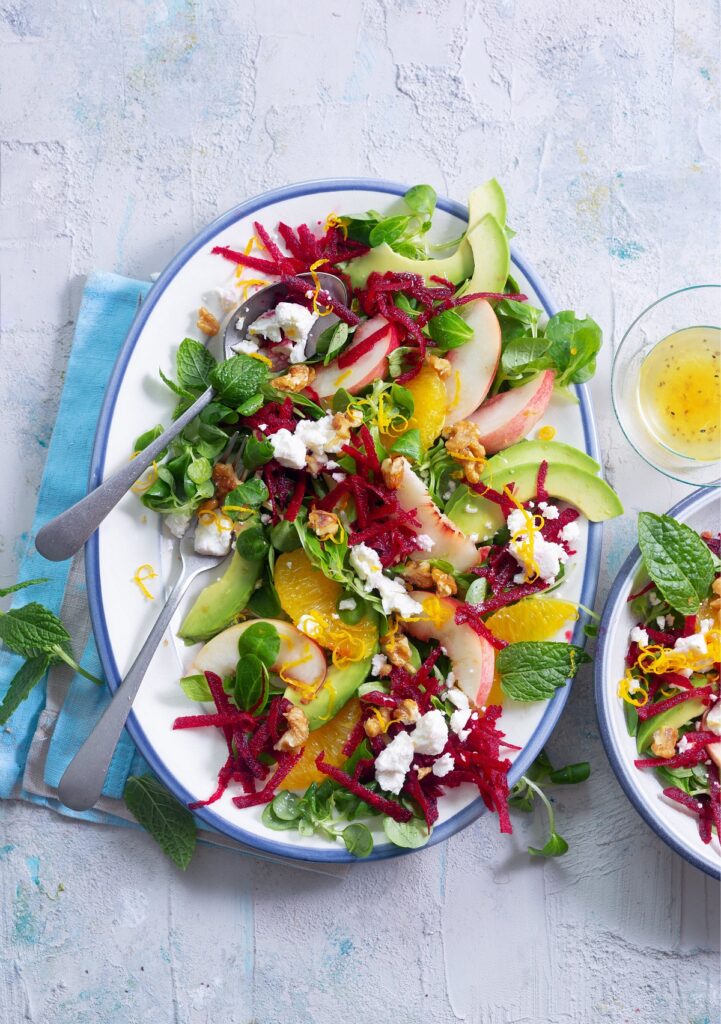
{"x":63,"y":536}
{"x":82,"y":783}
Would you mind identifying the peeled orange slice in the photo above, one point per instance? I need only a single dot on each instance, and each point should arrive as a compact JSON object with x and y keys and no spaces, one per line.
{"x":330,"y":738}
{"x":533,"y":618}
{"x":429,"y":414}
{"x":306,"y":594}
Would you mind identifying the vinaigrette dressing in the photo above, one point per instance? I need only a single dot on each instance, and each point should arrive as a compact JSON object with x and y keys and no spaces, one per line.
{"x":679,"y":392}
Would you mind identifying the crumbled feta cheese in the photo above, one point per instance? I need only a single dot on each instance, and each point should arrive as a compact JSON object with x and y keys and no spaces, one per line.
{"x":213,"y":536}
{"x":378,"y":663}
{"x":455,"y":696}
{"x":177,"y":523}
{"x":348,"y":604}
{"x":639,"y":636}
{"x":683,"y":744}
{"x":265,"y":518}
{"x":661,"y":621}
{"x":706,"y":625}
{"x":246,"y":347}
{"x":713,"y":718}
{"x":547,"y":556}
{"x":393,"y":762}
{"x":459,"y":721}
{"x":443,"y":765}
{"x":424,"y":542}
{"x":569,"y":533}
{"x":289,"y":320}
{"x":394,"y":597}
{"x":697,"y":643}
{"x":338,"y":477}
{"x":653,"y":598}
{"x":266,"y":326}
{"x":431,"y":733}
{"x":229,"y":297}
{"x":288,"y":449}
{"x":548,"y":511}
{"x":320,"y":437}
{"x":451,"y":678}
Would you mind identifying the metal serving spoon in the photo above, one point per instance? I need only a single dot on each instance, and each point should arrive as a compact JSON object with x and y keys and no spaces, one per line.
{"x":63,"y":536}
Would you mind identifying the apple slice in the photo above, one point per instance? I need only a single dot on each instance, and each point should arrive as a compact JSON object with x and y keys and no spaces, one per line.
{"x":473,"y":365}
{"x":373,"y":365}
{"x":472,"y":658}
{"x":300,"y":660}
{"x":507,"y":418}
{"x":449,"y":543}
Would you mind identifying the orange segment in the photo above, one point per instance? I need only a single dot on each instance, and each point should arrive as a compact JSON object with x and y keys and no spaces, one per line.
{"x":305,"y":593}
{"x":533,"y":618}
{"x":429,"y":397}
{"x":330,"y":738}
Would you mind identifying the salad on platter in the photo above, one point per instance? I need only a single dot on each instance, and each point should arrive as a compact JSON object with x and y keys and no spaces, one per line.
{"x":670,"y":687}
{"x":392,"y":533}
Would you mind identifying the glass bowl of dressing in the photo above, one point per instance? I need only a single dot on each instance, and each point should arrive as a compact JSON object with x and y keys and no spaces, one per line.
{"x":666,"y":385}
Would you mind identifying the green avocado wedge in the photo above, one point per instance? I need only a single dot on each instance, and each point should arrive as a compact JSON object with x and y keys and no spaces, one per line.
{"x":339,"y":686}
{"x":674,"y":718}
{"x":526,"y":452}
{"x":217,"y":605}
{"x":488,"y":243}
{"x":473,"y":514}
{"x":487,"y":198}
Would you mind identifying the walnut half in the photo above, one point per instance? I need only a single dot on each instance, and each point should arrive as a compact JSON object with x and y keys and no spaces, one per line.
{"x":297,"y":732}
{"x":664,"y":741}
{"x":207,"y":323}
{"x":325,"y":525}
{"x":297,"y":378}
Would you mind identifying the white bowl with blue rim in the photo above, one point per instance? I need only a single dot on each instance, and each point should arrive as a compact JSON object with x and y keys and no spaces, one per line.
{"x":701,"y":511}
{"x":187,"y":761}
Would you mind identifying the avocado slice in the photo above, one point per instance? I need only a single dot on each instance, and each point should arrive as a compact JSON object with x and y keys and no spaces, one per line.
{"x":474,"y":514}
{"x":339,"y":686}
{"x":487,"y":198}
{"x":537,"y":452}
{"x":674,"y":717}
{"x":217,"y":604}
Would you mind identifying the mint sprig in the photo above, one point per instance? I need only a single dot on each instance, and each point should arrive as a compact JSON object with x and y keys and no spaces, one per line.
{"x":170,"y":824}
{"x":677,"y":560}
{"x":38,"y":635}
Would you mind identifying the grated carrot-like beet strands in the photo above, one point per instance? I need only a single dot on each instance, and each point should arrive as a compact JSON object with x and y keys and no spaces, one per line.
{"x":296,"y":501}
{"x":467,"y":614}
{"x":685,"y":760}
{"x":219,"y":721}
{"x":640,"y":593}
{"x":263,"y":796}
{"x":651,"y":710}
{"x":355,"y":738}
{"x":541,"y":492}
{"x":375,"y":800}
{"x":252,"y":262}
{"x":224,"y":776}
{"x":356,"y":352}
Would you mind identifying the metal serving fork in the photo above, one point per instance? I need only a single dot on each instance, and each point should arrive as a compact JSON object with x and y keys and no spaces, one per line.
{"x":82,"y":783}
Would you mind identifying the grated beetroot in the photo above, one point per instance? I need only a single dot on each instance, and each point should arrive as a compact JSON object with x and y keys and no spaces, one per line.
{"x":286,"y":761}
{"x":651,"y":710}
{"x":374,"y":800}
{"x":224,"y":718}
{"x":291,"y":513}
{"x":355,"y":738}
{"x":353,"y":354}
{"x":541,"y":492}
{"x":468,"y":614}
{"x":428,"y":804}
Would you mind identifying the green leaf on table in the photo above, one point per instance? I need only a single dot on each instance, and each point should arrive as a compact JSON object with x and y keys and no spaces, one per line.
{"x":193,"y":365}
{"x":533,"y":670}
{"x":4,"y":591}
{"x":27,"y":676}
{"x":677,"y":560}
{"x":170,"y":824}
{"x":33,"y":629}
{"x":409,"y":834}
{"x":449,"y":330}
{"x":409,"y":444}
{"x":238,"y":378}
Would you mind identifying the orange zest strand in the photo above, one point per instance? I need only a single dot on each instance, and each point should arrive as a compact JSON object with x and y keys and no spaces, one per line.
{"x":147,"y":480}
{"x":313,"y":269}
{"x":142,"y":574}
{"x":630,"y":690}
{"x":334,"y":221}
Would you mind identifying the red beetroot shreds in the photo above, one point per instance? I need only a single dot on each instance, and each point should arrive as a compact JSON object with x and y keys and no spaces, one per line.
{"x":286,"y":762}
{"x":553,"y":527}
{"x":375,"y":800}
{"x":651,"y":710}
{"x":689,"y":625}
{"x":510,"y":596}
{"x":427,"y":803}
{"x":273,"y":417}
{"x":541,"y":492}
{"x":224,"y":718}
{"x":497,"y":497}
{"x":660,"y":637}
{"x":467,"y":614}
{"x":355,"y":738}
{"x":694,"y":755}
{"x":300,"y":287}
{"x":640,"y":593}
{"x":291,"y":513}
{"x":685,"y":799}
{"x":224,"y":776}
{"x":252,"y":262}
{"x":284,"y":263}
{"x":379,"y":699}
{"x":370,"y":448}
{"x":354,"y":353}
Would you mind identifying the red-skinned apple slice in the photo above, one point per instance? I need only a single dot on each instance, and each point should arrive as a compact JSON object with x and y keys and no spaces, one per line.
{"x":449,"y":543}
{"x":300,"y":660}
{"x":472,"y":658}
{"x":473,"y":365}
{"x":509,"y":417}
{"x":373,"y":365}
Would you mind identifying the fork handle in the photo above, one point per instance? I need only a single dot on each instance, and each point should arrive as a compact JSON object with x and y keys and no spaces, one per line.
{"x":63,"y":536}
{"x":83,"y":780}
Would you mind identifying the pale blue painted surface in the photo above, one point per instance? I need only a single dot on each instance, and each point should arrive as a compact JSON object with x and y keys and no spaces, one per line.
{"x":124,"y":130}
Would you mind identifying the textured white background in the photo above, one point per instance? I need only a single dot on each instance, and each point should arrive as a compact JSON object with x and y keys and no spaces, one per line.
{"x":123,"y":129}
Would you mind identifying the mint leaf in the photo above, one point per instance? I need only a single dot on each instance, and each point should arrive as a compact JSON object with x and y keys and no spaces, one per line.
{"x":4,"y":591}
{"x":194,"y":365}
{"x":170,"y":824}
{"x":238,"y":378}
{"x":32,"y":630}
{"x":28,"y":675}
{"x":408,"y":834}
{"x":677,"y":560}
{"x":534,"y":670}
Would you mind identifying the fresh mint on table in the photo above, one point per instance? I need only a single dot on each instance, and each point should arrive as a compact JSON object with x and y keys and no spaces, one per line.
{"x":38,"y":635}
{"x":170,"y":824}
{"x":677,"y":560}
{"x":523,"y":794}
{"x":533,"y":670}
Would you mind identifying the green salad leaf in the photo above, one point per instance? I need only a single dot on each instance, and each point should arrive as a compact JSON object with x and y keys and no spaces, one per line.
{"x":409,"y":834}
{"x":409,"y":444}
{"x":449,"y":330}
{"x":533,"y":670}
{"x":196,"y":688}
{"x":567,"y":345}
{"x":170,"y":824}
{"x":194,"y":365}
{"x":677,"y":560}
{"x":238,"y":378}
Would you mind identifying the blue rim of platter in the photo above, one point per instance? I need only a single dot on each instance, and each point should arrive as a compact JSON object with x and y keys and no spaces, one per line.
{"x":621,"y":766}
{"x":97,"y":614}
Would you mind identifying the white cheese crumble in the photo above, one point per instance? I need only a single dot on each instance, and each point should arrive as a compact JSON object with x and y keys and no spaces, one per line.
{"x":424,"y":542}
{"x":683,"y":744}
{"x":348,"y":604}
{"x":378,"y":663}
{"x":443,"y":765}
{"x":393,"y":762}
{"x":639,"y":636}
{"x":661,"y":621}
{"x":431,"y":733}
{"x":289,"y":320}
{"x":177,"y":523}
{"x":569,"y":533}
{"x":653,"y":598}
{"x":455,"y":696}
{"x":393,"y":595}
{"x":548,"y":511}
{"x":246,"y":347}
{"x":697,"y":643}
{"x":548,"y":556}
{"x":288,"y":449}
{"x":213,"y":536}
